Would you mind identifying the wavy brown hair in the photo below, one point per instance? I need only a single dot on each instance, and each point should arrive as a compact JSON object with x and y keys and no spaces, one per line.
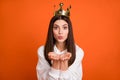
{"x":50,"y":41}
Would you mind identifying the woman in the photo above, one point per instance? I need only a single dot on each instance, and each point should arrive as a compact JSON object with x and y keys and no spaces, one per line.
{"x":60,"y":58}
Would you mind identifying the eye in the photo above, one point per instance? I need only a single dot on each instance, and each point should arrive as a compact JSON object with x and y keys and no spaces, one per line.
{"x":55,"y":27}
{"x":65,"y":27}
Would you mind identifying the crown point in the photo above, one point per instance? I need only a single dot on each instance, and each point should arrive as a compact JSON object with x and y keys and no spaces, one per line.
{"x":61,"y":4}
{"x":60,"y":11}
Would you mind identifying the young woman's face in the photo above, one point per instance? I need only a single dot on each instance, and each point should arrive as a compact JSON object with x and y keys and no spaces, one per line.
{"x":60,"y":30}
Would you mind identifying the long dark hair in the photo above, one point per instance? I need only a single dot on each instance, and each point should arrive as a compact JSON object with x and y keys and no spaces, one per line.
{"x":50,"y":42}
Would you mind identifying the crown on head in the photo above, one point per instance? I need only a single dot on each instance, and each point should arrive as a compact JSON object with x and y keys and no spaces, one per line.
{"x":60,"y":11}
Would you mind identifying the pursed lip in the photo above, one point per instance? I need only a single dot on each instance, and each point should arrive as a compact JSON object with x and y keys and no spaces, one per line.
{"x":60,"y":37}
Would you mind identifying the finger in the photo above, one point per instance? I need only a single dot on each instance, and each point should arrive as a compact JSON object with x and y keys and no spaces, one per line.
{"x":62,"y":56}
{"x":55,"y":57}
{"x":51,"y":55}
{"x":67,"y":56}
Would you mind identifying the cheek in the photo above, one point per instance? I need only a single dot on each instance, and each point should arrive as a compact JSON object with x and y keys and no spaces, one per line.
{"x":55,"y":33}
{"x":66,"y":33}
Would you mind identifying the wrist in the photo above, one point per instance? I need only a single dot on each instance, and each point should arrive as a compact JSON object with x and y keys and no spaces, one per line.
{"x":56,"y":64}
{"x":64,"y":65}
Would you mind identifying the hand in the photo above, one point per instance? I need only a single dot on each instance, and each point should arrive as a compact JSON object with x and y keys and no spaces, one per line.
{"x":55,"y":58}
{"x":64,"y":58}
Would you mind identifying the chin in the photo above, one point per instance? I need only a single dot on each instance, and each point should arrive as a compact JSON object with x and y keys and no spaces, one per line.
{"x":61,"y":41}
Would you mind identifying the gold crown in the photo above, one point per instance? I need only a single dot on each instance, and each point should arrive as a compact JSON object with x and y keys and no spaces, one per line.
{"x":60,"y":11}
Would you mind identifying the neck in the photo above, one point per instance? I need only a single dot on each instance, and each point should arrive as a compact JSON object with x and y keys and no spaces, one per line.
{"x":61,"y":46}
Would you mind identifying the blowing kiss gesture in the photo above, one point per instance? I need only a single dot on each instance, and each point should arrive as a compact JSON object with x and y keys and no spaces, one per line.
{"x":60,"y":61}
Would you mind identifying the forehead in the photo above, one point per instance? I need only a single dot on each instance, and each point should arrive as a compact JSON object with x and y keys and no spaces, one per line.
{"x":60,"y":22}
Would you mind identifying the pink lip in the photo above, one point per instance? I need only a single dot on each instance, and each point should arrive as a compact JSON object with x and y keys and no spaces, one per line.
{"x":60,"y":37}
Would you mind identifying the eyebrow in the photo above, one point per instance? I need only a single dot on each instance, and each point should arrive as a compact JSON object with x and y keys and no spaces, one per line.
{"x":56,"y":24}
{"x":62,"y":25}
{"x":65,"y":24}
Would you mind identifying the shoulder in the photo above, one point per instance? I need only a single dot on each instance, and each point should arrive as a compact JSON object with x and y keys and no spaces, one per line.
{"x":40,"y":51}
{"x":79,"y":52}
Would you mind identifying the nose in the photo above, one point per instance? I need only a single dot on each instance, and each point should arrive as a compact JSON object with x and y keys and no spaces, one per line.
{"x":60,"y":31}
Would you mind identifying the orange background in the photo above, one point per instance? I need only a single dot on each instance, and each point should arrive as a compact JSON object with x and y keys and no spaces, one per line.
{"x":24,"y":25}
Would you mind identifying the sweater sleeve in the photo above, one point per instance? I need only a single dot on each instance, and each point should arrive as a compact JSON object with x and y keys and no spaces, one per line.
{"x":74,"y":72}
{"x":44,"y":71}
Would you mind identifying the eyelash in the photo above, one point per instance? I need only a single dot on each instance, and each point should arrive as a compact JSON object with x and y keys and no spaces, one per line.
{"x":55,"y":27}
{"x":65,"y":27}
